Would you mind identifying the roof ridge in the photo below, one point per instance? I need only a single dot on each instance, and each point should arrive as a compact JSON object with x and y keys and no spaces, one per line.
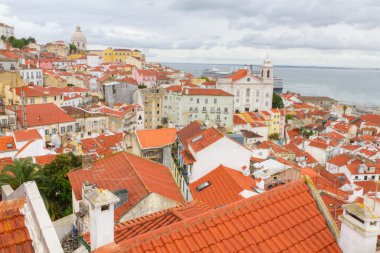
{"x":137,"y":172}
{"x":214,"y":213}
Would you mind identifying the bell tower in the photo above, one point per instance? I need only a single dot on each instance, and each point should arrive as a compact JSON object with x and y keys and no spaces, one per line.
{"x":267,"y":71}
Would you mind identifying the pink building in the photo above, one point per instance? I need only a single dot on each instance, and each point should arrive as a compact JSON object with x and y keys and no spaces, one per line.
{"x":145,"y":77}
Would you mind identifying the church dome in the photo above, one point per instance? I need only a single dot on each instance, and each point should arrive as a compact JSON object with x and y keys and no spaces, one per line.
{"x":79,"y":39}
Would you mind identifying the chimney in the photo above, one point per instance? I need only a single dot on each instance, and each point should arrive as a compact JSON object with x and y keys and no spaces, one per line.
{"x":260,"y":183}
{"x":359,"y":230}
{"x":101,"y":210}
{"x":86,"y":162}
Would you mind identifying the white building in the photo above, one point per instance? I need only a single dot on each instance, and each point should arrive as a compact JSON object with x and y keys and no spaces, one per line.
{"x":184,"y":105}
{"x":208,"y":149}
{"x":6,"y":30}
{"x":32,"y":75}
{"x":252,"y":92}
{"x":94,"y":60}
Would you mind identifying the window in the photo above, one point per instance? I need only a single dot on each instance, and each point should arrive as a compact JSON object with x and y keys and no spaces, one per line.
{"x":191,"y":109}
{"x":105,"y":208}
{"x":46,"y":131}
{"x":54,"y":131}
{"x":206,"y":101}
{"x":238,"y":93}
{"x":191,"y":99}
{"x":204,"y":109}
{"x":225,"y":110}
{"x":197,"y":100}
{"x":63,"y":130}
{"x":257,"y":93}
{"x":248,"y":92}
{"x":4,"y":122}
{"x":32,"y":100}
{"x":44,"y":99}
{"x":267,"y":95}
{"x":268,"y":73}
{"x":215,"y":100}
{"x":69,"y":128}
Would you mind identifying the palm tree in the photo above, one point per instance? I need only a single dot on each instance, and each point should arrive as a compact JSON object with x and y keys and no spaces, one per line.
{"x":23,"y":170}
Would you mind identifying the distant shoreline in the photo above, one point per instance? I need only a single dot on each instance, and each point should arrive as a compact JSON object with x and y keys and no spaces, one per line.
{"x":280,"y":66}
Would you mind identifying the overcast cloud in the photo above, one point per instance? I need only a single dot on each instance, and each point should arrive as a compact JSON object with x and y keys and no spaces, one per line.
{"x":294,"y":32}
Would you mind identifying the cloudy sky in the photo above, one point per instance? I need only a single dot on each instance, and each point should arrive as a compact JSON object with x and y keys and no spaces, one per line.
{"x":292,"y":32}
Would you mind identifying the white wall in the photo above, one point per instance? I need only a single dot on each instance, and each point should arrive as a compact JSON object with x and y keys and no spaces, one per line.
{"x":226,"y":152}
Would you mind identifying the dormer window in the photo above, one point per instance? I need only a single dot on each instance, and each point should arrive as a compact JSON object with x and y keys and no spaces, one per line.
{"x":9,"y":145}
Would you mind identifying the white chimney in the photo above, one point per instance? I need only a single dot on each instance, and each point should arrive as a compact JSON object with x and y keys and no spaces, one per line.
{"x":101,"y":207}
{"x":260,"y":183}
{"x":359,"y":230}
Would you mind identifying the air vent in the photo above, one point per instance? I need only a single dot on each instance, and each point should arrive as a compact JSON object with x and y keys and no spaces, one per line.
{"x":203,"y":186}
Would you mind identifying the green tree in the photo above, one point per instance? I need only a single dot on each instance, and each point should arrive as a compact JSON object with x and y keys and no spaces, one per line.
{"x":30,"y":40}
{"x":289,"y":117}
{"x":56,"y":187}
{"x":18,"y":43}
{"x":73,"y":48}
{"x":11,"y":38}
{"x":274,"y":136}
{"x":3,"y":38}
{"x":277,"y":101}
{"x":21,"y":171}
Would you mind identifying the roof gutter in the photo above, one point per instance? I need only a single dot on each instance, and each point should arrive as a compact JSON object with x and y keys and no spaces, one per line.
{"x":322,"y":208}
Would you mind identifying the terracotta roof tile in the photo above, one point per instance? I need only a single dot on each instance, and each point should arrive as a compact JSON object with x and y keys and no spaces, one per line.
{"x":45,"y":159}
{"x":238,"y":75}
{"x":205,"y":92}
{"x":283,"y":219}
{"x":340,"y":160}
{"x":189,"y":131}
{"x":27,"y":135}
{"x":156,"y":138}
{"x":43,"y":114}
{"x":204,"y":139}
{"x":14,"y":235}
{"x":7,"y":144}
{"x":226,"y":185}
{"x":144,"y":224}
{"x":126,"y":171}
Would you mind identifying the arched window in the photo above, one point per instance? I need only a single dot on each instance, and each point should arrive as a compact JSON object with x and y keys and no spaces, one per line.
{"x":268,"y":73}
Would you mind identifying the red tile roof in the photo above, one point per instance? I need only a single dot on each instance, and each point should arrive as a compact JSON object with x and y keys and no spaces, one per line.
{"x":43,"y":114}
{"x":238,"y":120}
{"x":205,"y":92}
{"x":45,"y":159}
{"x":14,"y":235}
{"x":340,"y":160}
{"x":156,"y":138}
{"x":189,"y":131}
{"x":204,"y":139}
{"x":371,"y":118}
{"x":284,"y":219}
{"x":144,"y":224}
{"x":123,"y":170}
{"x":226,"y":185}
{"x":7,"y":144}
{"x":238,"y":75}
{"x":102,"y":144}
{"x":26,"y":135}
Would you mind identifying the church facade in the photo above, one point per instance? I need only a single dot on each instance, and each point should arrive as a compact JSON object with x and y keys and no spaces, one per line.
{"x":252,"y":92}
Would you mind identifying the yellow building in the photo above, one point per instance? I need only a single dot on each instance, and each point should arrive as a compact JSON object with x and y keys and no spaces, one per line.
{"x":120,"y":55}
